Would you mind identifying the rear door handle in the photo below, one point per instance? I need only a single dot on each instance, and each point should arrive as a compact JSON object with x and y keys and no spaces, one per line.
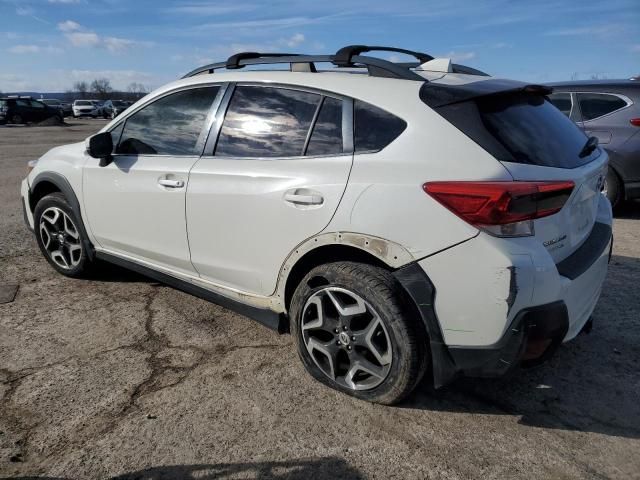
{"x":167,"y":182}
{"x":304,"y":198}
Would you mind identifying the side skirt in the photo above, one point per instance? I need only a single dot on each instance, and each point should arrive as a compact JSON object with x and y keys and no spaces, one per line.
{"x":266,"y":317}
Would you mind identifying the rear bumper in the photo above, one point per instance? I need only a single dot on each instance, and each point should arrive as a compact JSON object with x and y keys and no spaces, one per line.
{"x":495,"y":304}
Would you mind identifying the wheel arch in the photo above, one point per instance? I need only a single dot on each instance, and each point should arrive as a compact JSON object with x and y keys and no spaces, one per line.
{"x":50,"y":182}
{"x":333,"y":247}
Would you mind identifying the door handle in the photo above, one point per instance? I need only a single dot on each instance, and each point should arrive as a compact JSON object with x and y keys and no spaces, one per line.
{"x":167,"y":182}
{"x":307,"y":198}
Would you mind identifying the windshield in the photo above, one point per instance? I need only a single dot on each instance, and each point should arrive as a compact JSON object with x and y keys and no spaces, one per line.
{"x":83,"y":103}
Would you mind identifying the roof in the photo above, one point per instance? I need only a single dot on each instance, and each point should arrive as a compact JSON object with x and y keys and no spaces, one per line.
{"x":596,"y":85}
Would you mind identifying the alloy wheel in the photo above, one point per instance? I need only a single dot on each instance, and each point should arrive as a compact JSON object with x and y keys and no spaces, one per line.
{"x":60,"y":238}
{"x":346,"y":338}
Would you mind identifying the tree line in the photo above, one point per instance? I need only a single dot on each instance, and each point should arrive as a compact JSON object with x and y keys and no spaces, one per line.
{"x":101,"y":89}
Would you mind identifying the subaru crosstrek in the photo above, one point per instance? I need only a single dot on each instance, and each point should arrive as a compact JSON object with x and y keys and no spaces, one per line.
{"x":396,"y":218}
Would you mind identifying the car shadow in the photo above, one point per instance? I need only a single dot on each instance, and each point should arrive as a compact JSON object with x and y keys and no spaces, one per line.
{"x":316,"y":468}
{"x":590,"y":385}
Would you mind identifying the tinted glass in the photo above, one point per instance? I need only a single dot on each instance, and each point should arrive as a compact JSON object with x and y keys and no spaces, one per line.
{"x":594,"y":105}
{"x":3,"y":103}
{"x":374,"y":128}
{"x":326,"y":138}
{"x":533,"y":131}
{"x":266,"y":122}
{"x":169,"y":126}
{"x":35,"y":104}
{"x":83,"y":103}
{"x":562,"y":102}
{"x":119,"y":104}
{"x":22,"y":103}
{"x":115,"y":135}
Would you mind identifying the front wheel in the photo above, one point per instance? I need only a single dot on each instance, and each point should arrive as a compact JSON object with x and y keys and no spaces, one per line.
{"x":60,"y":237}
{"x":355,"y":332}
{"x":17,"y":119}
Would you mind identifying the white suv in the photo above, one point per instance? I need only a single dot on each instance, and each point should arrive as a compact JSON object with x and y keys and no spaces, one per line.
{"x":423,"y":217}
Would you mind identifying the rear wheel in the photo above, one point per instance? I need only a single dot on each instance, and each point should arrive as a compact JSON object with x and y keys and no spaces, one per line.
{"x":17,"y":118}
{"x":355,"y":333}
{"x":60,"y":237}
{"x":613,"y":188}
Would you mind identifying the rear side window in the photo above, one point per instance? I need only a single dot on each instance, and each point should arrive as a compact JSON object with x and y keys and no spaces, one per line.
{"x":374,"y":128}
{"x":326,"y":138}
{"x":520,"y":128}
{"x":266,"y":122}
{"x":594,"y":105}
{"x":168,"y":126}
{"x":562,"y":101}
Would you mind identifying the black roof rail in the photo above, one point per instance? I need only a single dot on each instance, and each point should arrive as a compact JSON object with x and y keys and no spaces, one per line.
{"x":345,"y":57}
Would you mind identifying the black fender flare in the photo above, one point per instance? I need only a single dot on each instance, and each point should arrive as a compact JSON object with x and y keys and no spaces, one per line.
{"x":67,"y":190}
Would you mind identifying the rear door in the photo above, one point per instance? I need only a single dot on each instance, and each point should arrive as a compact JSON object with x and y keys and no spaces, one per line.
{"x":537,"y":142}
{"x":279,"y":168}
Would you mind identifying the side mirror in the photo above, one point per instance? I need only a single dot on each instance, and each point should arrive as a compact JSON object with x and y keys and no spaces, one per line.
{"x":101,"y":146}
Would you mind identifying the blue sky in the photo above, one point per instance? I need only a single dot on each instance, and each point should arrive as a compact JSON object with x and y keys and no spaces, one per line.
{"x":46,"y":45}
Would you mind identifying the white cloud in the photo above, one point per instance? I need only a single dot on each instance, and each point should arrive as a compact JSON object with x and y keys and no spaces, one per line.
{"x":64,"y":1}
{"x":24,"y":49}
{"x":460,"y":56}
{"x":61,"y":80}
{"x":295,"y":40}
{"x":594,"y":30}
{"x":69,"y":26}
{"x":208,"y":9}
{"x":83,"y":39}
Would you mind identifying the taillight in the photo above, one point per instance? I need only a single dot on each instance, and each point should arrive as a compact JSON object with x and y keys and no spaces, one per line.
{"x":505,"y":209}
{"x":635,"y":122}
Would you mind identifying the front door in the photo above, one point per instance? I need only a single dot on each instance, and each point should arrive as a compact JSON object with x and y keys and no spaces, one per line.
{"x":280,"y":168}
{"x":136,"y":205}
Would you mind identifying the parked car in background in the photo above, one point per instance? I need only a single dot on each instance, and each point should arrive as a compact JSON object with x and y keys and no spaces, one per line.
{"x":99,"y":107}
{"x":84,"y":108}
{"x":113,"y":108}
{"x":610,"y":111}
{"x":25,"y":110}
{"x":454,"y":226}
{"x":64,"y":107}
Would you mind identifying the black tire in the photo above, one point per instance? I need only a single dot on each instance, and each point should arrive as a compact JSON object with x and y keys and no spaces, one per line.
{"x":379,"y":289}
{"x":614,"y":188}
{"x":17,"y":119}
{"x":50,"y":203}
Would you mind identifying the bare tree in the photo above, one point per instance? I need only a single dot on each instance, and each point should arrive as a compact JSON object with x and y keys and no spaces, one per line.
{"x":136,"y":91}
{"x":81,"y":88}
{"x":101,"y":87}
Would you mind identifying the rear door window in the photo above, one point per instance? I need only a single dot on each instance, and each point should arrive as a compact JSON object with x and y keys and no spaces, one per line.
{"x":374,"y":128}
{"x":326,"y":138}
{"x":595,"y":105}
{"x":267,"y":122}
{"x":168,"y":126}
{"x":562,"y":101}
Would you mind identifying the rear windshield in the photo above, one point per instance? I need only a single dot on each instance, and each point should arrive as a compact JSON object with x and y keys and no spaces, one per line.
{"x":521,"y":128}
{"x":84,"y":103}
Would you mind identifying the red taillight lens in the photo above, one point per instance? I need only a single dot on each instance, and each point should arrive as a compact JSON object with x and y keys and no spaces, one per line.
{"x":635,"y":122}
{"x":500,"y":203}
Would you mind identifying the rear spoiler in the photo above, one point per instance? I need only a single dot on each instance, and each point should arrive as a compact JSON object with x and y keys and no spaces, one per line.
{"x":437,"y":94}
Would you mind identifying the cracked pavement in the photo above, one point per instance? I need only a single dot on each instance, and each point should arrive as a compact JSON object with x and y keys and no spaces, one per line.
{"x":122,"y":377}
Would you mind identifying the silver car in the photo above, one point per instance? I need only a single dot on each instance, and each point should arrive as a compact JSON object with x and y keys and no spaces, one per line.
{"x":610,"y":111}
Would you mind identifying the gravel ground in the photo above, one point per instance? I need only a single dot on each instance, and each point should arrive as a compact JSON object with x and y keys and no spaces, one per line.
{"x":124,"y":377}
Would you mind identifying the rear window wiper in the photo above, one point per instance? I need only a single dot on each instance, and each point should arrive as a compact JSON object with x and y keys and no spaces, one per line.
{"x":590,"y":146}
